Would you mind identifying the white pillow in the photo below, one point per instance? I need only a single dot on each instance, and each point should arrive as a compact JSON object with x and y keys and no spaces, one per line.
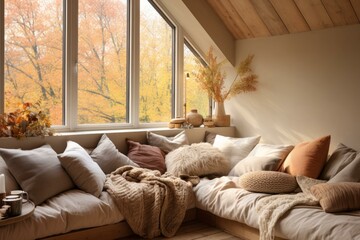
{"x":235,"y":149}
{"x":255,"y":163}
{"x":264,"y":157}
{"x":269,"y":150}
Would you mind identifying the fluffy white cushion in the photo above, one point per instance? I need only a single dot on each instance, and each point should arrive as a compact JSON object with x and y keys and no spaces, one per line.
{"x":167,"y":144}
{"x":235,"y":149}
{"x":108,"y":157}
{"x":197,"y":160}
{"x":268,"y":182}
{"x":85,"y":173}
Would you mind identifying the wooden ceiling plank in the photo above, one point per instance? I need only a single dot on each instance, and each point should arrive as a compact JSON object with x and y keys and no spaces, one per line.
{"x":315,"y":14}
{"x":250,"y":17}
{"x":237,"y":18}
{"x":356,"y":5}
{"x":341,"y":12}
{"x":269,"y":16}
{"x":290,"y":15}
{"x":228,"y":21}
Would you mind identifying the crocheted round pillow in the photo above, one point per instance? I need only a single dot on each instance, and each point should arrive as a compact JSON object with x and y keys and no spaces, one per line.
{"x":268,"y":182}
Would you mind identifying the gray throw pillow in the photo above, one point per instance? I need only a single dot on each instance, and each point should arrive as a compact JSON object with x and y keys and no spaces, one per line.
{"x":350,"y":173}
{"x":167,"y":144}
{"x":38,"y":171}
{"x":339,"y":159}
{"x":108,"y":157}
{"x":85,"y":173}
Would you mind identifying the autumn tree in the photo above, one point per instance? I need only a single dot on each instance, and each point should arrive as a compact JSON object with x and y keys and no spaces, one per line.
{"x":33,"y":55}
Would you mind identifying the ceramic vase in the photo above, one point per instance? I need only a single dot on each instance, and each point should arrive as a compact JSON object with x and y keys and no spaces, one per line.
{"x":221,"y":119}
{"x":194,"y":118}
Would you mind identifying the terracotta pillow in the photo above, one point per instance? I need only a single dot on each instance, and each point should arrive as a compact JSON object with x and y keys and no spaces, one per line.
{"x":337,"y":197}
{"x":307,"y":158}
{"x":146,"y":156}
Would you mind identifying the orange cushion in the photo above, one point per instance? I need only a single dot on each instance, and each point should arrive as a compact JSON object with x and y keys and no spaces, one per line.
{"x":307,"y":158}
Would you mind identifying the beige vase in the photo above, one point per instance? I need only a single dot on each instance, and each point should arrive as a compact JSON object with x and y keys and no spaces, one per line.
{"x":220,"y":117}
{"x":194,"y":118}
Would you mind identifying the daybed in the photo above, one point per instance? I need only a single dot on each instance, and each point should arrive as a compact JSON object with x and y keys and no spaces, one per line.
{"x":220,"y":201}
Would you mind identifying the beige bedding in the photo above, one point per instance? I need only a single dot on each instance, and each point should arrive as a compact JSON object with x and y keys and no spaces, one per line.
{"x":221,"y":197}
{"x":62,"y":214}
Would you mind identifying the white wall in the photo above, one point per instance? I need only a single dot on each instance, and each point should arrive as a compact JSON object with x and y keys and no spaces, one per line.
{"x":309,"y":86}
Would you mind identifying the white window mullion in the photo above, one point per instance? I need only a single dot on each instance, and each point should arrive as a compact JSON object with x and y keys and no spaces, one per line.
{"x":71,"y":50}
{"x":134,"y":62}
{"x":180,"y":78}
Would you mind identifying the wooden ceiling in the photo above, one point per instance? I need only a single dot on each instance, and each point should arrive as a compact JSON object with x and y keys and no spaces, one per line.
{"x":262,"y":18}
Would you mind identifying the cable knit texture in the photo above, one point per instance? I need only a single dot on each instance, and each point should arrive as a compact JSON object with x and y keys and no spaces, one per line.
{"x":152,"y":204}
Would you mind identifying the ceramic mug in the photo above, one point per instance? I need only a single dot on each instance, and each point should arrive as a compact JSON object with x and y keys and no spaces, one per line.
{"x":15,"y":204}
{"x":20,"y":193}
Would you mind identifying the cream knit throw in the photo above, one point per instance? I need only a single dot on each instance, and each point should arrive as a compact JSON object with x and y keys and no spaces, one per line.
{"x":271,"y":208}
{"x":152,"y":204}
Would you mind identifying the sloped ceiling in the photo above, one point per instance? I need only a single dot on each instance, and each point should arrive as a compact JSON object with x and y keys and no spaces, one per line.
{"x":264,"y":18}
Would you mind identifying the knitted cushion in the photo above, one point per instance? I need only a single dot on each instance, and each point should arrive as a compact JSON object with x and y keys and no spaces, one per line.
{"x":268,"y":182}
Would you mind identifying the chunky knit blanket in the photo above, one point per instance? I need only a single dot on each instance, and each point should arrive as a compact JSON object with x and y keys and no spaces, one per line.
{"x":152,"y":204}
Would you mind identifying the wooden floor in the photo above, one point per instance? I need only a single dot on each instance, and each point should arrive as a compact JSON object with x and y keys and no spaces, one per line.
{"x":196,"y":230}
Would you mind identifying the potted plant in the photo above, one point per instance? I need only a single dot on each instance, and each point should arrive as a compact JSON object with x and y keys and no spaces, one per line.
{"x":212,"y":79}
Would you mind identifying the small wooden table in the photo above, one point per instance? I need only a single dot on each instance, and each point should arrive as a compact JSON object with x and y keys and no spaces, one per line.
{"x":27,"y":209}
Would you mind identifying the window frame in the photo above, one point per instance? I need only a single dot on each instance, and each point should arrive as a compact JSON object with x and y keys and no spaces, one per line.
{"x":70,"y":64}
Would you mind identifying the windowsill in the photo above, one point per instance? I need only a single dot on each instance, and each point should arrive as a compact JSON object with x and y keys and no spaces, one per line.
{"x":137,"y":130}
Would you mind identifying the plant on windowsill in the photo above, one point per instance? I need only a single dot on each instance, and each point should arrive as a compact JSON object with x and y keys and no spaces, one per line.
{"x":212,"y":79}
{"x":25,"y":121}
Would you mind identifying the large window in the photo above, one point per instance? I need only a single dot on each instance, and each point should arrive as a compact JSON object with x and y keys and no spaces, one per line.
{"x":33,"y":56}
{"x":195,"y":97}
{"x":96,"y":63}
{"x":102,"y":61}
{"x":156,"y":65}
